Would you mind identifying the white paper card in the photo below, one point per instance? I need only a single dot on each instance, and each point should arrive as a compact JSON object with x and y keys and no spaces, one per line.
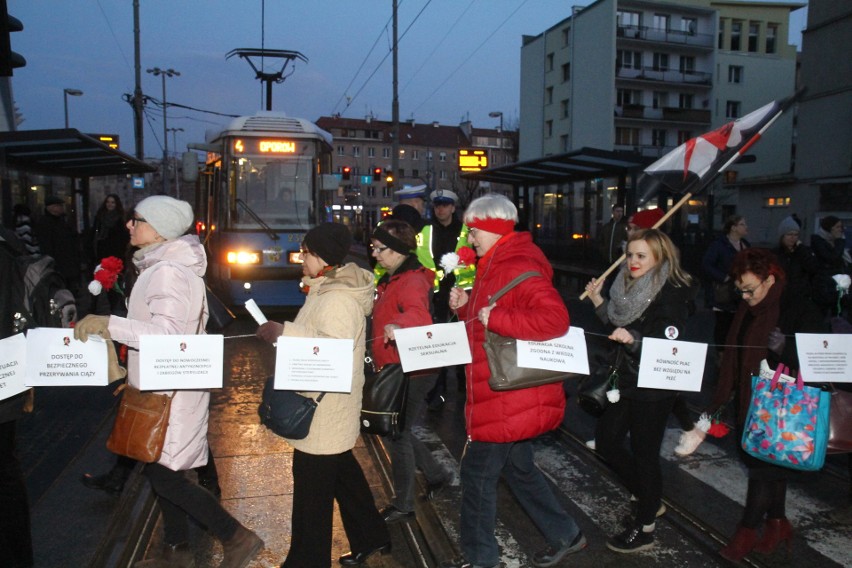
{"x":825,"y":357}
{"x":672,"y":365}
{"x":13,"y":365}
{"x":56,"y":359}
{"x":432,"y":346}
{"x":255,"y":312}
{"x":180,"y":362}
{"x":314,"y":364}
{"x":567,"y":353}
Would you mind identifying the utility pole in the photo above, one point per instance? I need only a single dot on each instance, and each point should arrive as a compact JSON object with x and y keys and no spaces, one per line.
{"x":138,"y":129}
{"x":395,"y":104}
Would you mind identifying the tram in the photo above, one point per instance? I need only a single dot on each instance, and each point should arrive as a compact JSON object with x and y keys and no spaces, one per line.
{"x":262,"y":190}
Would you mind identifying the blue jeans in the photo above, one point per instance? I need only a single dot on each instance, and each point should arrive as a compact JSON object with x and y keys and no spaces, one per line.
{"x":481,"y":466}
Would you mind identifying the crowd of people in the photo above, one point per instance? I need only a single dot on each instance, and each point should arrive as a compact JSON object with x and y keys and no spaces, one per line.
{"x":760,"y":298}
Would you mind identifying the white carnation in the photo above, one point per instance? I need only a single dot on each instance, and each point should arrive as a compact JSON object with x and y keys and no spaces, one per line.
{"x":95,"y":287}
{"x":449,"y":262}
{"x":613,"y":395}
{"x":843,"y":282}
{"x":703,"y":423}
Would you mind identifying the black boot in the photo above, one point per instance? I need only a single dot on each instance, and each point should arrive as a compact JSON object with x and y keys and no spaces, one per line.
{"x":111,"y":482}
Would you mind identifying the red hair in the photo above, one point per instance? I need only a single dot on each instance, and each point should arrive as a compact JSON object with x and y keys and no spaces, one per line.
{"x":759,"y":261}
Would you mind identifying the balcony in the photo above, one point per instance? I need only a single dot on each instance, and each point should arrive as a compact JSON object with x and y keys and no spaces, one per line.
{"x":662,"y":75}
{"x":675,"y":37}
{"x":672,"y":114}
{"x":686,"y":115}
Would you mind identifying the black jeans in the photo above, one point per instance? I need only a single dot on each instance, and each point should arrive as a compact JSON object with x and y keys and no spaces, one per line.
{"x":16,"y":545}
{"x":639,"y":467}
{"x":181,"y":498}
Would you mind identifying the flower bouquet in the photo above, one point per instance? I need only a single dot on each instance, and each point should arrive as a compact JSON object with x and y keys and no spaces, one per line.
{"x":106,"y":276}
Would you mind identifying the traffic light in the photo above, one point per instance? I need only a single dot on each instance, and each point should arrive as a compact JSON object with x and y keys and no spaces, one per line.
{"x":347,"y":173}
{"x":9,"y":59}
{"x":389,"y":179}
{"x":377,"y":174}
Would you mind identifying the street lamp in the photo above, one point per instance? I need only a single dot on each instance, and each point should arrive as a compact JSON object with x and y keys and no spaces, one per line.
{"x":174,"y":132}
{"x":73,"y":93}
{"x":156,"y":71}
{"x":495,"y":114}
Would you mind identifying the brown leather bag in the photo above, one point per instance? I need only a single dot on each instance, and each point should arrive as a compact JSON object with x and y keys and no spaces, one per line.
{"x":840,"y":422}
{"x":140,"y":425}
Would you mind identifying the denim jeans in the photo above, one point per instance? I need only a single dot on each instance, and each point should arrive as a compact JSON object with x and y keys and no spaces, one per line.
{"x":409,"y":452}
{"x":481,"y":466}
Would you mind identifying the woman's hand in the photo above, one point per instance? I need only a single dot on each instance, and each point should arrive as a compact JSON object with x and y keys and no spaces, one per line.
{"x":458,"y":298}
{"x":389,"y":329}
{"x":484,"y":313}
{"x":621,"y":335}
{"x":270,"y":331}
{"x":593,"y":289}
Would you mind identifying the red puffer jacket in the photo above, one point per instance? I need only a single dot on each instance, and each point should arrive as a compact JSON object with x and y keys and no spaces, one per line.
{"x":531,"y":311}
{"x":402,"y":299}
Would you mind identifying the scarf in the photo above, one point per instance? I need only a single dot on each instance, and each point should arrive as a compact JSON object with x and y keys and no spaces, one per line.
{"x":627,"y":303}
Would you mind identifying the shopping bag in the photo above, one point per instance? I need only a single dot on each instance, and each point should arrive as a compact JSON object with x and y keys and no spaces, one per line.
{"x":787,"y":422}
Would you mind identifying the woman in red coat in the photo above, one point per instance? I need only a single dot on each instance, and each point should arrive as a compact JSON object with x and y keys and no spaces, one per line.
{"x":502,"y":425}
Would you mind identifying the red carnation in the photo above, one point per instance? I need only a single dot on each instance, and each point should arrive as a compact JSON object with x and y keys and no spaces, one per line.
{"x":467,"y":256}
{"x":112,"y":264}
{"x":718,"y":429}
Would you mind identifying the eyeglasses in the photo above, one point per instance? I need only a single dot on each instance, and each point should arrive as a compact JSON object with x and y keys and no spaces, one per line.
{"x":748,"y":293}
{"x":134,"y":220}
{"x":304,"y":252}
{"x":378,"y":249}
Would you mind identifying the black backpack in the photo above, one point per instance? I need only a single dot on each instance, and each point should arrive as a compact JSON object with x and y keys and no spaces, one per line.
{"x":42,"y":297}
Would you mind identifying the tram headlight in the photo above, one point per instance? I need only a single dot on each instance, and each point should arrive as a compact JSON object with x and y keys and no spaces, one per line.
{"x":244,"y":257}
{"x":294,"y":257}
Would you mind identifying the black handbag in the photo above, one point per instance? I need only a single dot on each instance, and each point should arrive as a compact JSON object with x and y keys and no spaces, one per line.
{"x":383,"y":401}
{"x":604,"y":360}
{"x":502,"y":354}
{"x":287,"y":413}
{"x":218,"y":316}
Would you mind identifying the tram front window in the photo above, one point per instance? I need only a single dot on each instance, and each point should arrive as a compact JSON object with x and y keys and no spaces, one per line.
{"x":277,"y":191}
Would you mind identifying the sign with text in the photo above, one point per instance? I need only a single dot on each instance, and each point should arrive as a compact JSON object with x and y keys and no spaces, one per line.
{"x":13,"y":365}
{"x":56,"y":359}
{"x":313,"y":364}
{"x":432,"y":346}
{"x":180,"y":362}
{"x":672,"y":365}
{"x":567,"y":353}
{"x":825,"y":357}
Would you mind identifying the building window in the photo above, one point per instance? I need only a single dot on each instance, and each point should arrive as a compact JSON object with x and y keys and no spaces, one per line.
{"x":753,"y":31}
{"x":685,"y":100}
{"x":687,"y":64}
{"x":627,"y":136}
{"x":629,"y":59}
{"x":736,"y":35}
{"x":628,"y":97}
{"x":548,"y":128}
{"x":563,"y":143}
{"x":566,"y":72}
{"x":385,"y":191}
{"x":415,"y":154}
{"x":689,"y":26}
{"x":658,"y":137}
{"x":442,"y":175}
{"x":566,"y":37}
{"x":356,"y":151}
{"x":371,"y":191}
{"x":442,"y":156}
{"x":661,"y":22}
{"x":732,"y":109}
{"x":386,"y":152}
{"x":777,"y":202}
{"x":683,"y":136}
{"x":401,"y":173}
{"x":371,"y":152}
{"x":660,"y":99}
{"x":564,"y":108}
{"x":429,"y":155}
{"x":721,"y":34}
{"x":735,"y":74}
{"x":341,"y":150}
{"x":402,"y":153}
{"x":627,"y":19}
{"x":548,"y":62}
{"x":771,"y":37}
{"x":661,"y":62}
{"x":548,"y":96}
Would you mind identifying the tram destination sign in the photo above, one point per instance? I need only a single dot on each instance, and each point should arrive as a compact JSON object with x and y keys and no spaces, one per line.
{"x":471,"y":160}
{"x":264,"y":146}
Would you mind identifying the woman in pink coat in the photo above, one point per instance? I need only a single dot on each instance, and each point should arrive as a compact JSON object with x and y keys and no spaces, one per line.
{"x":168,"y":298}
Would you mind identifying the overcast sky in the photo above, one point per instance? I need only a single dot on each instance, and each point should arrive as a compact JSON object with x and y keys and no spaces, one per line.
{"x":458,"y":59}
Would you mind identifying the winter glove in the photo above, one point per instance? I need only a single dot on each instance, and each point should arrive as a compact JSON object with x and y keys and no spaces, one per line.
{"x":92,"y":325}
{"x":777,"y":341}
{"x":115,"y":372}
{"x":270,"y":331}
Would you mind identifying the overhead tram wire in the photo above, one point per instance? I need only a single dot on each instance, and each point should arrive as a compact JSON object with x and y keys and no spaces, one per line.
{"x":364,"y":62}
{"x":352,"y":99}
{"x":469,"y":57}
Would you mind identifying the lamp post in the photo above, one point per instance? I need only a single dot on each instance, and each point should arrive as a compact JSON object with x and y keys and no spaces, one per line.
{"x":496,"y":114}
{"x":73,"y":93}
{"x":156,"y":71}
{"x":174,"y":132}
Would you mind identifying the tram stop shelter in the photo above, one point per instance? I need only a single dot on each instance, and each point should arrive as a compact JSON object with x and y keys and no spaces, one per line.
{"x":62,"y":153}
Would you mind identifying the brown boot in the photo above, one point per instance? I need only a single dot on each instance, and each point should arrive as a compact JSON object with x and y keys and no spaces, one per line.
{"x":740,"y":544}
{"x":172,"y":556}
{"x":241,"y":548}
{"x":775,"y":532}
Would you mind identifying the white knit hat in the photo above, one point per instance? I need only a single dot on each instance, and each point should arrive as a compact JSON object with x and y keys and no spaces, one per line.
{"x":170,"y":217}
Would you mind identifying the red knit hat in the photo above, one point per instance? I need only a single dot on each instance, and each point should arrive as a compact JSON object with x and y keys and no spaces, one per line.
{"x":648,"y":218}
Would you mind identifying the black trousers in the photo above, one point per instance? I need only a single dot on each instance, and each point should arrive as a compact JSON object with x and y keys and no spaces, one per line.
{"x":639,"y":467}
{"x":181,"y":498}
{"x":16,"y":545}
{"x":319,"y":480}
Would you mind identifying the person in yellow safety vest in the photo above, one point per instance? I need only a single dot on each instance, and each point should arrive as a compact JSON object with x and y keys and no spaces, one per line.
{"x":443,"y":235}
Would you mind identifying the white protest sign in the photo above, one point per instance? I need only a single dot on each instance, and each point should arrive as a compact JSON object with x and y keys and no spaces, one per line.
{"x":56,"y":359}
{"x":314,"y":364}
{"x":180,"y":362}
{"x":432,"y":346}
{"x":671,"y":365}
{"x":825,"y":357}
{"x":567,"y":353}
{"x":254,"y":310}
{"x":13,"y":365}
